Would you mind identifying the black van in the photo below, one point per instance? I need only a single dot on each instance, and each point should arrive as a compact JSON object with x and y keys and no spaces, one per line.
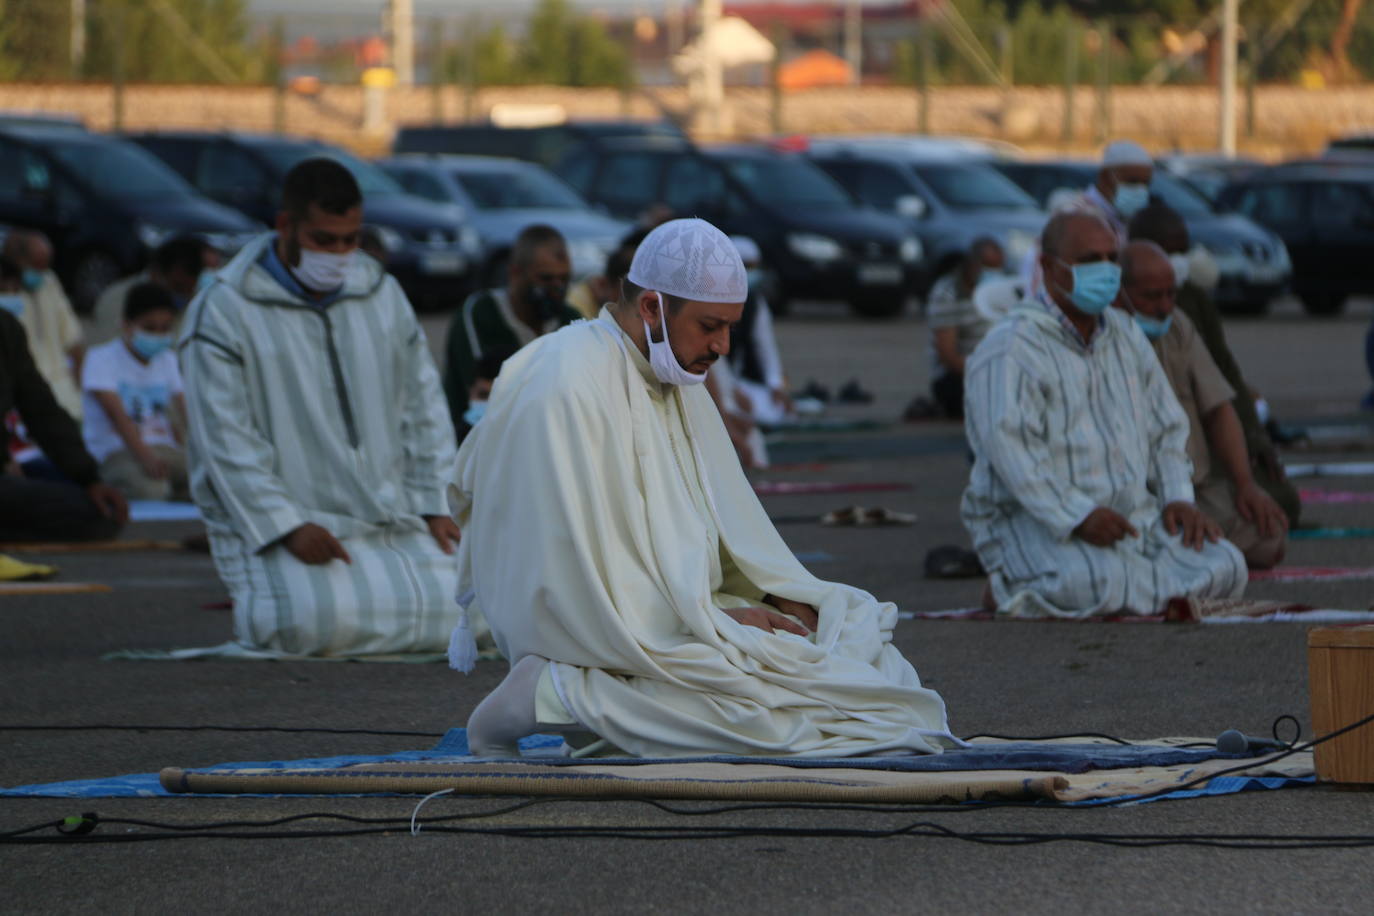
{"x":548,"y":145}
{"x":815,"y":238}
{"x":105,"y":203}
{"x":432,"y":250}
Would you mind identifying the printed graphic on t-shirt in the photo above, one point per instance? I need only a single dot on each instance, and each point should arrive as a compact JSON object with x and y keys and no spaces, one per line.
{"x":149,"y":406}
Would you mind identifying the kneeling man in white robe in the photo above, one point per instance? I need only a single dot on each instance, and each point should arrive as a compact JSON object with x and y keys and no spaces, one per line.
{"x":320,"y":445}
{"x":1081,"y":497}
{"x":628,"y":570}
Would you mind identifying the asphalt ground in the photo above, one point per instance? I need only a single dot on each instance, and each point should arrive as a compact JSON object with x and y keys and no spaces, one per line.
{"x":1136,"y":681}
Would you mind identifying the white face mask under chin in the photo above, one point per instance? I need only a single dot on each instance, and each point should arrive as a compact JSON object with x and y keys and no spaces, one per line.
{"x":322,"y":271}
{"x":665,"y":365}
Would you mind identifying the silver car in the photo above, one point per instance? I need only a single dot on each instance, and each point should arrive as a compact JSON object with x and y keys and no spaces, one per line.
{"x":501,"y":197}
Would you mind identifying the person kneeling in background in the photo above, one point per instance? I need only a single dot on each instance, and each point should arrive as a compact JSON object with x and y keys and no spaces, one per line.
{"x":134,"y":406}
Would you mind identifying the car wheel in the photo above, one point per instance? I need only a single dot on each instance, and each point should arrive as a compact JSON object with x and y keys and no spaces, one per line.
{"x":94,"y":271}
{"x":1322,"y":303}
{"x":1251,"y":307}
{"x":879,"y":305}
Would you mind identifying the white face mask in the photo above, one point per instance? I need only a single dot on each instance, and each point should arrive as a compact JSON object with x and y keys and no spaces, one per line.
{"x":322,"y":271}
{"x":1180,"y":263}
{"x":661,"y":358}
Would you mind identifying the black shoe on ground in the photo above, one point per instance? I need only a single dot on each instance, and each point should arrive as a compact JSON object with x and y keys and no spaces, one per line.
{"x":852,"y":393}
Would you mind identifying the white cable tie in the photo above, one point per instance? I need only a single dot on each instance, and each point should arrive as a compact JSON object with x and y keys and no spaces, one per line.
{"x":414,"y":826}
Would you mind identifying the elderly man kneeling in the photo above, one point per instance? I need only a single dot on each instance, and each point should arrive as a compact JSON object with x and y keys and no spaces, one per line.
{"x":1081,"y":497}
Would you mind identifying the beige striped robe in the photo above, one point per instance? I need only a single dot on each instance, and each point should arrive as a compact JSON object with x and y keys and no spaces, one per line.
{"x":1058,"y":429}
{"x":330,"y":415}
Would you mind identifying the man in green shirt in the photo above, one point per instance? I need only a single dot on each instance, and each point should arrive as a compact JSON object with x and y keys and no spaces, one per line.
{"x":533,"y":303}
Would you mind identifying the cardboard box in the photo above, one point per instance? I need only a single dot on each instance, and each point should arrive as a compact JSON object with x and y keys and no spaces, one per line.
{"x":1340,"y":674}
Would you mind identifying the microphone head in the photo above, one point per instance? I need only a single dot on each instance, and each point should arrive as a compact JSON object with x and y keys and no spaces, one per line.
{"x":1232,"y":741}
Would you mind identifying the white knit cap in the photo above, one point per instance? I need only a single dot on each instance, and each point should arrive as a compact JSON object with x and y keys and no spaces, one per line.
{"x":690,"y":259}
{"x":1125,"y":152}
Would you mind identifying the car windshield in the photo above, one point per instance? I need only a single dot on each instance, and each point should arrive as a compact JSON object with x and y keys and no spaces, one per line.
{"x":120,"y":169}
{"x":1177,"y":194}
{"x":371,"y":180}
{"x":517,"y":189}
{"x":787,"y":181}
{"x":974,"y":187}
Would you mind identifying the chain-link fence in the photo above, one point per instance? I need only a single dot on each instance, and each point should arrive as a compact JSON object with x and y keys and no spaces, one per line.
{"x":965,"y":42}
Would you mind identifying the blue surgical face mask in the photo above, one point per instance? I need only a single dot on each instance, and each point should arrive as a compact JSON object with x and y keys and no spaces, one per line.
{"x":475,"y":412}
{"x":1130,"y":199}
{"x":31,"y":279}
{"x":149,"y":345}
{"x":206,"y":278}
{"x":1154,"y":328}
{"x":12,"y":303}
{"x":1095,"y":286}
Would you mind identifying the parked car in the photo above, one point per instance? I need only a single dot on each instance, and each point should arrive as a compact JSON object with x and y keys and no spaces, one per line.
{"x":502,"y":197}
{"x":429,"y":247}
{"x":548,"y":145}
{"x":1252,"y":262}
{"x":1207,"y":173}
{"x":817,"y":241}
{"x":948,"y":201}
{"x":1324,"y":212}
{"x":104,"y":202}
{"x":1357,"y":144}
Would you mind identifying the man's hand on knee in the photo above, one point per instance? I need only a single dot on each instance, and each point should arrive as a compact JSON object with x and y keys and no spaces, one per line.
{"x":445,"y":531}
{"x":766,"y":619}
{"x":803,"y":612}
{"x":109,"y":501}
{"x":315,"y":546}
{"x":1104,"y":527}
{"x":1197,"y":528}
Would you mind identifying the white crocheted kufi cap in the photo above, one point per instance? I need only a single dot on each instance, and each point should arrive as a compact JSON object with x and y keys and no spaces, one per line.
{"x":1125,"y":152}
{"x":690,"y":259}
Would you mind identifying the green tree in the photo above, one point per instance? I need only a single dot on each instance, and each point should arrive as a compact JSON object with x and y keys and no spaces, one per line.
{"x":34,"y":40}
{"x":561,"y":47}
{"x":171,"y":41}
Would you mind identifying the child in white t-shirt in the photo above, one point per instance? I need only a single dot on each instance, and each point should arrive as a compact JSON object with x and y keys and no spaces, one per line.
{"x":133,"y":402}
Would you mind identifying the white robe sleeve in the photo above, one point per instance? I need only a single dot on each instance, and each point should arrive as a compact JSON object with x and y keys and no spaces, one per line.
{"x":426,"y":431}
{"x":767,"y":344}
{"x":232,"y":451}
{"x":1008,"y":418}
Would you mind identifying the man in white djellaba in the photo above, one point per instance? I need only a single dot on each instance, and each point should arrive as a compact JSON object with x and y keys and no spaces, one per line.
{"x":626,"y":567}
{"x":1081,"y":498}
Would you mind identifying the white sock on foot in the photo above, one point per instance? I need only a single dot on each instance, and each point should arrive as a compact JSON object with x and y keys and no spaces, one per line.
{"x":507,"y":714}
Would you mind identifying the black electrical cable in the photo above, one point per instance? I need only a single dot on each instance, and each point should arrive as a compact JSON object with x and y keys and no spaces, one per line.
{"x":1112,"y":738}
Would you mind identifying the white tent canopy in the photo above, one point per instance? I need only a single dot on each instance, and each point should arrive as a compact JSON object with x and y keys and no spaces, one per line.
{"x":736,"y":44}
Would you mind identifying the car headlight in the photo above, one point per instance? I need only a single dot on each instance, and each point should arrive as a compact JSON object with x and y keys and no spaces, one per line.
{"x":814,"y":247}
{"x":1020,"y":244}
{"x":587,"y":257}
{"x":911,"y":250}
{"x":470,"y":240}
{"x":389,"y":238}
{"x":153,"y":236}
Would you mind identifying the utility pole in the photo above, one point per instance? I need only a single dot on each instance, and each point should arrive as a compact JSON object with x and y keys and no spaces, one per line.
{"x":398,"y":22}
{"x":854,"y":39}
{"x":78,"y":38}
{"x":1229,"y":38}
{"x":712,"y":73}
